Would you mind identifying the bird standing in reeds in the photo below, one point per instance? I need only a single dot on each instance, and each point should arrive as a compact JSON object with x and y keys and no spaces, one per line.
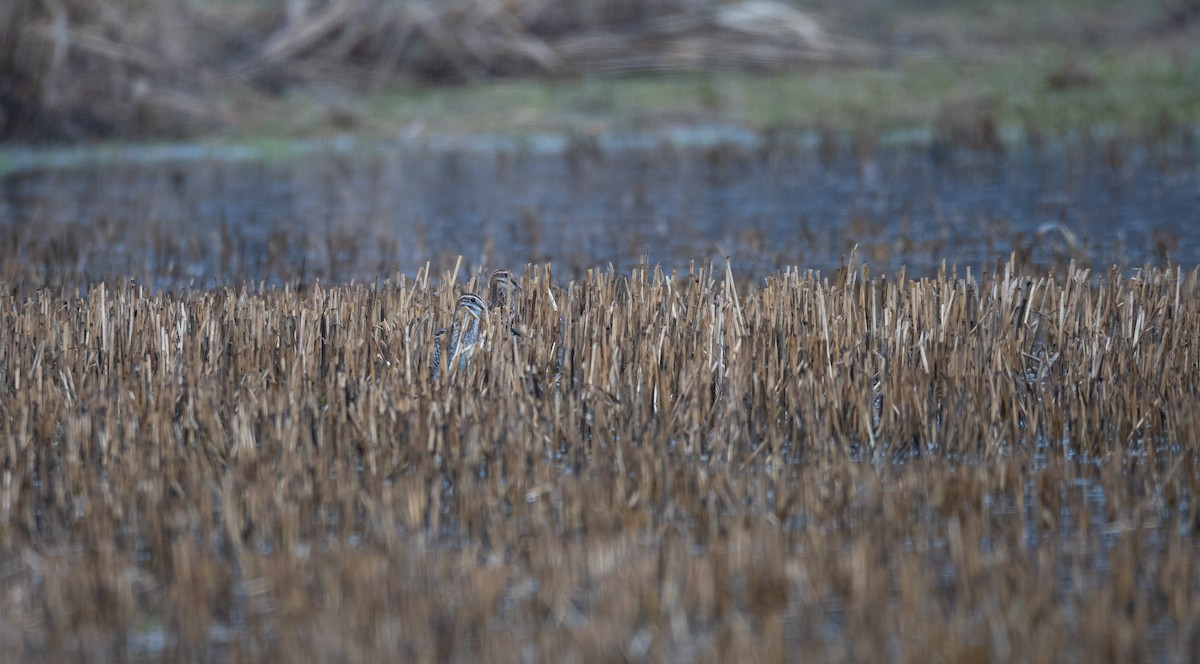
{"x":464,"y":331}
{"x":469,"y":312}
{"x":501,"y":286}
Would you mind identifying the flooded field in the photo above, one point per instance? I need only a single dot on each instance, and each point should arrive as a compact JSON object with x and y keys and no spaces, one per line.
{"x":881,"y":461}
{"x":350,"y":210}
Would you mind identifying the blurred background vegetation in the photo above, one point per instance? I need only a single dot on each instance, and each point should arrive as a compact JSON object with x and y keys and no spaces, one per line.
{"x":82,"y":70}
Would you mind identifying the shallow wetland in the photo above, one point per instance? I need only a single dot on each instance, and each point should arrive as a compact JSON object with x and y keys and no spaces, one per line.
{"x":363,"y":210}
{"x":660,"y":467}
{"x":847,"y":331}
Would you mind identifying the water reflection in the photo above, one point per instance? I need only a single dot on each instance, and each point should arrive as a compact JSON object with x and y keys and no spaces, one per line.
{"x":352,"y":210}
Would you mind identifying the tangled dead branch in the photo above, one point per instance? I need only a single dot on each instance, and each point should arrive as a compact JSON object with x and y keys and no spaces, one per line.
{"x":71,"y":69}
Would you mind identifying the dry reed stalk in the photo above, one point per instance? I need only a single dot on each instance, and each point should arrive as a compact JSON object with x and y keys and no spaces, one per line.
{"x":660,"y":467}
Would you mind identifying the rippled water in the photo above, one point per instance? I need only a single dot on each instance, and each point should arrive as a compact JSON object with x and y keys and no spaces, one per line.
{"x":352,"y":209}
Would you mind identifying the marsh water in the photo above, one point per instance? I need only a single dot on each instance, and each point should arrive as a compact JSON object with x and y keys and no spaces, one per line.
{"x":351,"y":209}
{"x":1051,"y":526}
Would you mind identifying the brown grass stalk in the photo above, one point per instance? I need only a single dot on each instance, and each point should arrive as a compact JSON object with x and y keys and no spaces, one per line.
{"x":660,"y":467}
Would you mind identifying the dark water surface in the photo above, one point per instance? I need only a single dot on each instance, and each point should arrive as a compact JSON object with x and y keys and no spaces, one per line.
{"x":349,"y":209}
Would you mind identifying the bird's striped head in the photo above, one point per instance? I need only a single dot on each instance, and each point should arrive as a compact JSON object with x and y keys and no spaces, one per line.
{"x":500,"y":286}
{"x":470,"y":304}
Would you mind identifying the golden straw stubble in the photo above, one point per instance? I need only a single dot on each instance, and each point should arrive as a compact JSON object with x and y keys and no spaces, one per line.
{"x":653,"y":466}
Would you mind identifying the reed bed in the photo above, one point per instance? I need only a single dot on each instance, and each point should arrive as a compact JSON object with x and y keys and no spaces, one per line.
{"x":660,"y":467}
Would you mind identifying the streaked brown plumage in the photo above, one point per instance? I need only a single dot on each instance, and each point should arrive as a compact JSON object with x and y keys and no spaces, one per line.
{"x":501,"y":286}
{"x":464,"y":331}
{"x":469,"y":312}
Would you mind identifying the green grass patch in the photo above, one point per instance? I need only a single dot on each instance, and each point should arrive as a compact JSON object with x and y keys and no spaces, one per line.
{"x":1048,"y":89}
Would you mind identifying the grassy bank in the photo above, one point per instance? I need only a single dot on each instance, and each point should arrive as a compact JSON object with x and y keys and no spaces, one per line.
{"x":1047,"y":92}
{"x":656,"y":469}
{"x":244,"y":70}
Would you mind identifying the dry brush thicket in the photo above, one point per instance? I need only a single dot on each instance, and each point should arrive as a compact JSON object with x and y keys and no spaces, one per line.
{"x":71,"y":69}
{"x":659,"y":468}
